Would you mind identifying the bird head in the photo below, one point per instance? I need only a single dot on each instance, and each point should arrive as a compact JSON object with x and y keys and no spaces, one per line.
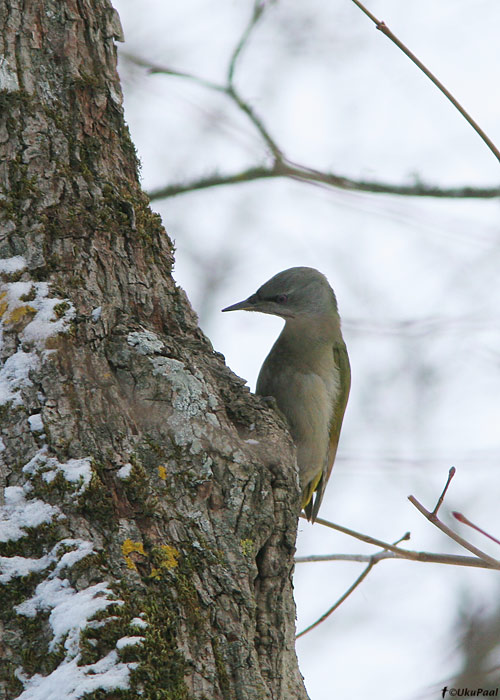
{"x":292,"y":294}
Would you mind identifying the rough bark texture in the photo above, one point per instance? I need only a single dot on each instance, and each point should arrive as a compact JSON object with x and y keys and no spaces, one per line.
{"x":145,"y":490}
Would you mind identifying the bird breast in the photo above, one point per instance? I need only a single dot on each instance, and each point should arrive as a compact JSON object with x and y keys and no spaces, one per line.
{"x":306,"y":393}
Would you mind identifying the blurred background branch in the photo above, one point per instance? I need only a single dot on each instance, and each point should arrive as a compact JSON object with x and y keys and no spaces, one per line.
{"x":281,"y":166}
{"x":381,"y":25}
{"x":282,"y":169}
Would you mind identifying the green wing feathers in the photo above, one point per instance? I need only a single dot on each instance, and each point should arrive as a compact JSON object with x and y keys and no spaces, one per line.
{"x":318,"y":485}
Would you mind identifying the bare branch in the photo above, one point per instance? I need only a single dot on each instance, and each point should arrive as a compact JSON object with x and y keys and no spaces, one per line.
{"x":390,"y":35}
{"x":392,"y":551}
{"x":282,"y":167}
{"x":363,"y":558}
{"x":303,"y":174}
{"x":426,"y":557}
{"x":364,"y":538}
{"x":402,"y":553}
{"x":351,"y":588}
{"x":453,"y":535}
{"x":386,"y":546}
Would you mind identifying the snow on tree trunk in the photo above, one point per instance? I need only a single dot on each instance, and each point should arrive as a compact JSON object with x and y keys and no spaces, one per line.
{"x":149,"y":501}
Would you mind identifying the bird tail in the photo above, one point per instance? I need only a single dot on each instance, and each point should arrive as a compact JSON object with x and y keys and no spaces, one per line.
{"x":310,"y":501}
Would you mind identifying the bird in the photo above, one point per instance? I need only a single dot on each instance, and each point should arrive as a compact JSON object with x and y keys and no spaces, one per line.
{"x":307,"y":371}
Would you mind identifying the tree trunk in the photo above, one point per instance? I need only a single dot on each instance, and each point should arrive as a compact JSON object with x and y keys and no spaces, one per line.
{"x":150,"y":502}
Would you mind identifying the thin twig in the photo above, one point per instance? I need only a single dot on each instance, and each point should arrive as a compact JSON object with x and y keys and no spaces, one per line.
{"x":440,"y":500}
{"x":390,"y":35}
{"x":425,"y":557}
{"x":453,"y":535}
{"x":365,"y":538}
{"x":256,"y":121}
{"x":404,"y":538}
{"x":156,"y":69}
{"x":232,"y":92}
{"x":351,"y":588}
{"x":258,"y":11}
{"x":463,"y":519}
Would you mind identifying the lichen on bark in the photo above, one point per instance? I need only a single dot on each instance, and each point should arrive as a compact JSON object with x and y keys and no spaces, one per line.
{"x":150,"y":502}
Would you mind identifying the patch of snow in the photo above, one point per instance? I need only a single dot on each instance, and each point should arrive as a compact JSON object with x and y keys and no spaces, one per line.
{"x":139,"y":622}
{"x":97,"y":624}
{"x":69,"y":559}
{"x":70,"y":609}
{"x":46,"y":322}
{"x":16,"y":567}
{"x":96,"y":313}
{"x":2,"y":445}
{"x":35,"y":421}
{"x":124,"y":472}
{"x":74,"y":470}
{"x":14,"y":375}
{"x":70,"y":612}
{"x":20,"y":566}
{"x":15,"y":290}
{"x":17,"y":262}
{"x":128,"y":642}
{"x":19,"y":513}
{"x":71,"y":681}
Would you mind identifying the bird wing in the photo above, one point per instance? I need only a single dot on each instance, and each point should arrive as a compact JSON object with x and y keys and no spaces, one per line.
{"x":341,"y":359}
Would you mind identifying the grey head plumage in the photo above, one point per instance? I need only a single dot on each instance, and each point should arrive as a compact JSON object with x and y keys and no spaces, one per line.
{"x":292,"y":293}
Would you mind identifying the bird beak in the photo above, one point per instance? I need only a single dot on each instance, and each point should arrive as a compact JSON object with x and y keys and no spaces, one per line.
{"x":246,"y":305}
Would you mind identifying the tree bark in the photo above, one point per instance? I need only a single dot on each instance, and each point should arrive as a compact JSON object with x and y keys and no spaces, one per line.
{"x":150,"y":502}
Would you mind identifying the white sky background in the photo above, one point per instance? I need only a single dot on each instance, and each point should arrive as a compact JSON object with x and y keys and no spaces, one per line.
{"x":417,"y":282}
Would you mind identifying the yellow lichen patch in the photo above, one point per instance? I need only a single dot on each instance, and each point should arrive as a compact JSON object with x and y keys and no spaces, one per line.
{"x":4,"y":304}
{"x":162,"y":473}
{"x":155,"y":573}
{"x":19,"y":312}
{"x":247,"y":547}
{"x":129,"y":547}
{"x":168,"y":556}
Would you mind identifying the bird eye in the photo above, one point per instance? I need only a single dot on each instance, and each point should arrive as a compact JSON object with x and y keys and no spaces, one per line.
{"x":281,"y":299}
